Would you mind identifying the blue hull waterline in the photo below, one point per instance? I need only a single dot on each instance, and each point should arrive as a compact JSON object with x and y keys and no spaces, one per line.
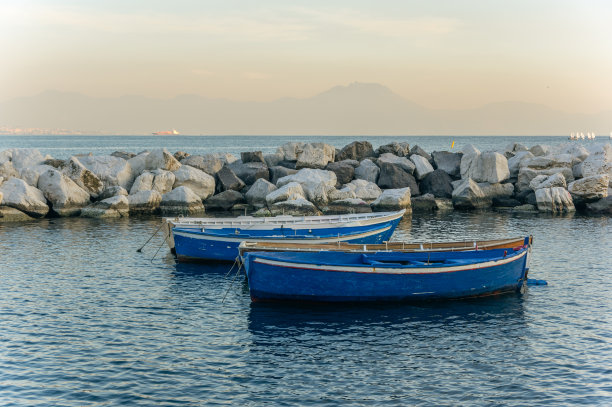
{"x":222,"y":244}
{"x":348,"y":277}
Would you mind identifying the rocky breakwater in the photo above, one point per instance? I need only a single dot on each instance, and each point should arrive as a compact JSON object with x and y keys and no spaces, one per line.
{"x":307,"y":179}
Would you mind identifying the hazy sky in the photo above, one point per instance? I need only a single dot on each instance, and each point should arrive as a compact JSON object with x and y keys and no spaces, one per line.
{"x":441,"y":54}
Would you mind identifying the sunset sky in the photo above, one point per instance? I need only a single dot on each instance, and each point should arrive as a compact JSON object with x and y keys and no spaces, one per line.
{"x":440,"y":54}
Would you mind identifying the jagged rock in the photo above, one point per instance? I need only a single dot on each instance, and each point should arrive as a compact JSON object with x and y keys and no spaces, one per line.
{"x":540,"y":149}
{"x":393,"y":200}
{"x":603,"y":206}
{"x":437,"y":183}
{"x":403,"y":162}
{"x":287,"y":192}
{"x":278,"y":172}
{"x":256,"y":195}
{"x":315,"y":183}
{"x":161,"y":159}
{"x":123,"y":154}
{"x":55,"y":163}
{"x":114,"y":207}
{"x":424,"y":203}
{"x":290,"y":150}
{"x":262,"y":213}
{"x":423,"y":167}
{"x":505,"y":202}
{"x":287,"y":164}
{"x":444,"y":204}
{"x":392,"y":176}
{"x":66,"y":197}
{"x":31,"y":174}
{"x":179,"y":155}
{"x":357,"y":150}
{"x":227,"y":180}
{"x":469,"y":161}
{"x":110,"y":170}
{"x":416,"y":150}
{"x":226,"y":158}
{"x":315,"y":155}
{"x":181,"y":201}
{"x":163,"y":181}
{"x":7,"y":170}
{"x":556,"y":200}
{"x":339,"y":194}
{"x":576,"y":151}
{"x":493,"y":168}
{"x":497,"y":190}
{"x":198,"y":181}
{"x":598,"y":162}
{"x":138,"y":163}
{"x":548,"y":181}
{"x":519,"y":160}
{"x":531,"y":199}
{"x":273,"y":159}
{"x":344,"y":171}
{"x":17,"y":194}
{"x":6,"y":155}
{"x":348,"y":205}
{"x":550,"y":161}
{"x":207,"y":163}
{"x":513,"y":148}
{"x":8,"y":214}
{"x":365,"y":190}
{"x":448,"y":162}
{"x":26,"y":157}
{"x":112,"y":191}
{"x":144,"y":182}
{"x":468,"y":195}
{"x":589,"y":189}
{"x":144,"y":202}
{"x":399,"y":149}
{"x":250,"y":172}
{"x":224,"y":201}
{"x":367,"y":171}
{"x":252,"y":157}
{"x":526,"y":175}
{"x":525,"y":208}
{"x":295,"y":207}
{"x":83,"y":177}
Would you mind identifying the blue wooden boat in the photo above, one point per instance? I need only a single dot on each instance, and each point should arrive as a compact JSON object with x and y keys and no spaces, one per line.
{"x":221,"y":241}
{"x":329,"y":276}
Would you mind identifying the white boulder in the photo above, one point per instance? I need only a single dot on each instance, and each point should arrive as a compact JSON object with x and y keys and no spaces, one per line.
{"x":31,"y":174}
{"x":181,"y":201}
{"x":200,"y":182}
{"x":315,"y":155}
{"x":314,"y":182}
{"x":287,"y":192}
{"x":403,"y":162}
{"x":110,"y":170}
{"x":339,"y":194}
{"x":114,"y":207}
{"x":161,"y":159}
{"x":368,"y":171}
{"x":26,"y":157}
{"x":591,"y":188}
{"x":163,"y":181}
{"x":144,"y":182}
{"x":468,"y":195}
{"x":393,"y":199}
{"x":366,"y":190}
{"x":83,"y":177}
{"x":66,"y":197}
{"x":138,"y":163}
{"x":422,"y":166}
{"x":257,"y":194}
{"x":598,"y":162}
{"x":556,"y":200}
{"x":143,"y":202}
{"x":17,"y":194}
{"x":290,"y":150}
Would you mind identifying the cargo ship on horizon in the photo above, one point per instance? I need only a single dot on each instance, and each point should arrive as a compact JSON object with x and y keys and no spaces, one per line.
{"x":166,"y":133}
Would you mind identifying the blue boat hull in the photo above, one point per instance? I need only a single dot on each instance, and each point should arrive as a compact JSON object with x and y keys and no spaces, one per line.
{"x":192,"y":245}
{"x":277,"y":278}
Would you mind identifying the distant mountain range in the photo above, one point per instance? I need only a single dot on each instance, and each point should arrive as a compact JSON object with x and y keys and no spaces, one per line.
{"x":356,"y":109}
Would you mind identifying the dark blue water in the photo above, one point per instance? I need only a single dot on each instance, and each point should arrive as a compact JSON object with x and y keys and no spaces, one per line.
{"x":65,"y":146}
{"x":85,"y":320}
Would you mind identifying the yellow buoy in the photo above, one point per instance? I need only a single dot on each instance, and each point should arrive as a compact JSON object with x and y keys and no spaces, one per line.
{"x":452,"y":144}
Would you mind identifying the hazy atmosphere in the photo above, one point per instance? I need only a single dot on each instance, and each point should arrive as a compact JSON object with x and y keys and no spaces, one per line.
{"x":545,"y":62}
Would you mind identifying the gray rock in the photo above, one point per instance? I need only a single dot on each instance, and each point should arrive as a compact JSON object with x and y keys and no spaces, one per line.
{"x":424,"y":203}
{"x":599,"y":162}
{"x":403,"y":162}
{"x":227,"y":180}
{"x":364,"y":190}
{"x":163,"y":181}
{"x":393,"y":176}
{"x":279,"y":172}
{"x":519,"y":160}
{"x":250,"y":172}
{"x":83,"y":177}
{"x":144,"y":182}
{"x":295,"y":207}
{"x":513,"y":148}
{"x":416,"y":150}
{"x":31,"y":174}
{"x":138,"y":163}
{"x":505,"y":202}
{"x":110,"y":170}
{"x":256,"y":195}
{"x":392,"y":200}
{"x":344,"y":171}
{"x":252,"y":157}
{"x":603,"y":206}
{"x":8,"y":214}
{"x":55,"y":163}
{"x":357,"y":150}
{"x":448,"y":162}
{"x":112,"y":191}
{"x":315,"y":183}
{"x":144,"y":202}
{"x":526,"y":175}
{"x":66,"y":197}
{"x":339,"y":194}
{"x":589,"y":189}
{"x":556,"y":200}
{"x":548,"y":181}
{"x":224,"y":201}
{"x":287,"y":192}
{"x":422,"y":166}
{"x":290,"y":150}
{"x":525,"y":208}
{"x":287,"y":164}
{"x":272,"y":160}
{"x":395,"y":148}
{"x":540,"y":149}
{"x":437,"y":183}
{"x":7,"y":170}
{"x":208,"y":163}
{"x":198,"y":181}
{"x":497,"y":190}
{"x":468,"y":195}
{"x":180,"y":155}
{"x":348,"y":205}
{"x":181,"y":201}
{"x":367,"y":171}
{"x":26,"y":157}
{"x":113,"y":207}
{"x":17,"y":194}
{"x":315,"y":155}
{"x":123,"y":154}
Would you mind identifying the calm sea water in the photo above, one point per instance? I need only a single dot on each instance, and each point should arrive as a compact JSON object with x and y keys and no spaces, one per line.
{"x":85,"y":320}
